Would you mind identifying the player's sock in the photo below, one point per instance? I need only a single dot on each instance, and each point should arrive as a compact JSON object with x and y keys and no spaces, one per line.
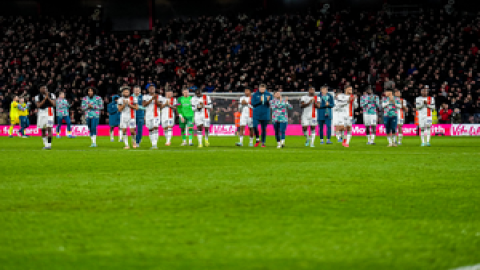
{"x":313,"y":137}
{"x":134,"y":139}
{"x":349,"y":136}
{"x":10,"y":130}
{"x":170,"y":132}
{"x":394,"y":138}
{"x":199,"y":137}
{"x":305,"y":132}
{"x":95,"y":139}
{"x":184,"y":138}
{"x":152,"y":139}
{"x":120,"y":135}
{"x":389,"y":138}
{"x":44,"y":139}
{"x":91,"y":137}
{"x":251,"y":139}
{"x":126,"y":141}
{"x":206,"y":134}
{"x":111,"y":134}
{"x":49,"y":139}
{"x":190,"y":135}
{"x":283,"y":141}
{"x":400,"y":137}
{"x":422,"y":135}
{"x":427,"y":132}
{"x":337,"y":133}
{"x":241,"y":139}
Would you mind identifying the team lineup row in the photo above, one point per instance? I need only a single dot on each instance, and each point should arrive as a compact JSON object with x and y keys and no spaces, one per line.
{"x":256,"y":108}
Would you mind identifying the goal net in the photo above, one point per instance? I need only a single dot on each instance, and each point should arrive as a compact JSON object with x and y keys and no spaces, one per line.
{"x":226,"y":104}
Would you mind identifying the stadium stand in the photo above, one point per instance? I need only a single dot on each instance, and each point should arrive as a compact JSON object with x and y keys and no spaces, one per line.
{"x":226,"y":54}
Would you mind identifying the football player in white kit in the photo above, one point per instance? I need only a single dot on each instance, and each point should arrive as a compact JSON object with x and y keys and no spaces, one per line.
{"x":401,"y":116}
{"x":127,"y":105}
{"x":45,"y":116}
{"x":246,"y":117}
{"x":309,"y":115}
{"x":152,"y":103}
{"x":425,"y":105}
{"x":346,"y":103}
{"x":337,"y":121}
{"x":201,"y":104}
{"x":168,"y":115}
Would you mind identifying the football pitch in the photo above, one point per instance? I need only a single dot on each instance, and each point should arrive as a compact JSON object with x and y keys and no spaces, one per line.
{"x":225,"y":207}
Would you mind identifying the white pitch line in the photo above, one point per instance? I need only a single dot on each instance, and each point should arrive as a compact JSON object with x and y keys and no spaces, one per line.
{"x":470,"y":267}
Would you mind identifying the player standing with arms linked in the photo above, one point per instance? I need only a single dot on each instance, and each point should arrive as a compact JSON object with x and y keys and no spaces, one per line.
{"x":139,"y":113}
{"x":370,"y":104}
{"x":114,"y":118}
{"x":14,"y":119}
{"x":152,"y":103}
{"x":401,"y":115}
{"x":168,"y":115}
{"x":91,"y":105}
{"x":280,"y":117}
{"x":246,"y":117}
{"x":346,"y":103}
{"x":185,"y":113}
{"x":261,"y":112}
{"x":324,"y":112}
{"x":45,"y":117}
{"x":63,"y":114}
{"x":309,"y":115}
{"x":390,"y":106}
{"x":23,"y":115}
{"x":201,"y":105}
{"x":425,"y":105}
{"x":127,"y":105}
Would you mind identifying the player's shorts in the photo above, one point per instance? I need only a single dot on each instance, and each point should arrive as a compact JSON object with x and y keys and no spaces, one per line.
{"x":370,"y":119}
{"x":200,"y":120}
{"x":152,"y":123}
{"x":400,"y":121}
{"x":424,"y":122}
{"x":390,"y":124}
{"x":309,"y":122}
{"x":246,"y":122}
{"x":188,"y":121}
{"x":166,"y":122}
{"x":337,"y":119}
{"x":346,"y":120}
{"x":14,"y":120}
{"x":127,"y":122}
{"x":45,"y":121}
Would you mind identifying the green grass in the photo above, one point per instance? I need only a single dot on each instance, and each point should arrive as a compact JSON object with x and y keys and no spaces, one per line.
{"x":366,"y":207}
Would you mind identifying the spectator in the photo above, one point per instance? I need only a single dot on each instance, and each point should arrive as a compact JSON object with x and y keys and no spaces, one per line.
{"x":445,"y":114}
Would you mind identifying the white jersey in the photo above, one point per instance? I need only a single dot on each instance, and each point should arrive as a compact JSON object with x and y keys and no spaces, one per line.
{"x":48,"y":111}
{"x":152,"y":110}
{"x":400,"y":112}
{"x":201,"y":111}
{"x":345,"y":107}
{"x":167,"y":112}
{"x":127,"y":113}
{"x":246,"y":110}
{"x":425,"y":110}
{"x":309,"y":112}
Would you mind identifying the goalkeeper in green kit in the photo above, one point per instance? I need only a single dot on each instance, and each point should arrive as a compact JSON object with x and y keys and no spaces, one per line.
{"x":185,"y":114}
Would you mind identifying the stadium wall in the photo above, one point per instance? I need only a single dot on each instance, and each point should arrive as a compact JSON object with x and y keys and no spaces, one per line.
{"x":292,"y":130}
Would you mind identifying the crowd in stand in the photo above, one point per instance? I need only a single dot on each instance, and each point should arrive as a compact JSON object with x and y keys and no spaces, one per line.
{"x":226,"y":54}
